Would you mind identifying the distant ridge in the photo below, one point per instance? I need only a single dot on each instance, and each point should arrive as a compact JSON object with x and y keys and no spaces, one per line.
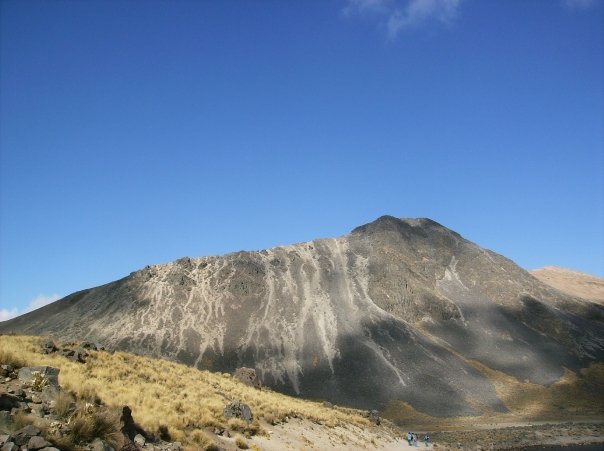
{"x":398,"y":310}
{"x":572,"y":282}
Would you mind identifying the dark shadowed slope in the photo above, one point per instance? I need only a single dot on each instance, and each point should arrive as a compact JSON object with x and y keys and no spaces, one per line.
{"x":391,"y":311}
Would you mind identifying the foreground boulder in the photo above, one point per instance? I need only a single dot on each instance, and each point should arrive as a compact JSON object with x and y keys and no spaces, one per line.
{"x":39,"y":376}
{"x":237,"y":409}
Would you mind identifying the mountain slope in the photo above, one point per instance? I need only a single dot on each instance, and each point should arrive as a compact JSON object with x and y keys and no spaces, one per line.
{"x":392,"y":311}
{"x":573,"y":283}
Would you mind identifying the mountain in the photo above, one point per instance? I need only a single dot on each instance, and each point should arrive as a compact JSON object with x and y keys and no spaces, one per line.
{"x":399,"y":309}
{"x":573,"y":283}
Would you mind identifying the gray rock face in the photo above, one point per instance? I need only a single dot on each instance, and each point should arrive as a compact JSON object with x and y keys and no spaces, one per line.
{"x":380,"y":314}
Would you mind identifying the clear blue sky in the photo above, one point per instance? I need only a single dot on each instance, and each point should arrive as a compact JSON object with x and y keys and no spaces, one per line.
{"x":138,"y":132}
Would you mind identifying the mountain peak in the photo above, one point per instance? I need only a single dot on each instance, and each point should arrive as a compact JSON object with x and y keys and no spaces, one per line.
{"x":391,"y":223}
{"x":341,"y":319}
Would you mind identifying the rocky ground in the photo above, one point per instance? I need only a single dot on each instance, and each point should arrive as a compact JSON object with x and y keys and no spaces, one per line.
{"x":519,"y":436}
{"x":35,"y":414}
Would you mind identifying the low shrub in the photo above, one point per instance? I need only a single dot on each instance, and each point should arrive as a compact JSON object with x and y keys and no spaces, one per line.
{"x":8,"y":357}
{"x":241,"y":442}
{"x":86,"y":426}
{"x":64,"y":405}
{"x":201,"y":439}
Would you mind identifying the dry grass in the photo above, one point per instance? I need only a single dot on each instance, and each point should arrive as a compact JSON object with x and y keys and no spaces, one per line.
{"x":171,"y":398}
{"x":572,"y":397}
{"x":64,"y":404}
{"x":241,"y":442}
{"x":10,"y":357}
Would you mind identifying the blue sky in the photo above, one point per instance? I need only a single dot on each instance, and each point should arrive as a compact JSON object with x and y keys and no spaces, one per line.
{"x":135,"y":133}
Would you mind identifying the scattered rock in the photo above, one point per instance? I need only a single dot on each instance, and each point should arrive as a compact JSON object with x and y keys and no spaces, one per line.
{"x":6,"y":370}
{"x":5,"y":438}
{"x":100,"y":445}
{"x":9,"y":446}
{"x":22,"y":436}
{"x":37,"y":442}
{"x":76,"y":355}
{"x":237,"y":409}
{"x":28,"y":375}
{"x":327,"y":404}
{"x":139,"y":440}
{"x":374,"y":416}
{"x":8,"y":401}
{"x":88,"y":345}
{"x":39,"y":409}
{"x":248,"y":377}
{"x":48,"y":347}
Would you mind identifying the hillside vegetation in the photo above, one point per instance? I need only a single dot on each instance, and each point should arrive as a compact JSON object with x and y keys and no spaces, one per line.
{"x":169,"y":398}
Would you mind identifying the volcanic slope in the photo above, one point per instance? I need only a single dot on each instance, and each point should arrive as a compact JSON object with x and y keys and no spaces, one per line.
{"x":572,"y":282}
{"x":396,"y":310}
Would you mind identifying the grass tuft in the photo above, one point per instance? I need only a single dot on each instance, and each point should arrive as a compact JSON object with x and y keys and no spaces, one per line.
{"x":241,"y":442}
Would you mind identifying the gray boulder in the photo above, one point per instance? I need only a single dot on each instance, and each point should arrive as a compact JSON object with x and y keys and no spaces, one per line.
{"x":48,"y":347}
{"x":374,"y":416}
{"x":22,"y":436}
{"x":248,"y":377}
{"x":50,"y":374}
{"x":237,"y":409}
{"x":100,"y":445}
{"x":9,"y":446}
{"x":37,"y":442}
{"x":139,"y":440}
{"x":89,"y":345}
{"x":6,"y":370}
{"x":8,"y":401}
{"x":76,"y":355}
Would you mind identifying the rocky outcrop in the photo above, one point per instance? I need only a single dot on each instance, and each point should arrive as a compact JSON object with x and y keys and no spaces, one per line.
{"x":31,"y":393}
{"x":237,"y":409}
{"x":395,"y":310}
{"x":76,"y":353}
{"x":248,"y":377}
{"x":38,"y":377}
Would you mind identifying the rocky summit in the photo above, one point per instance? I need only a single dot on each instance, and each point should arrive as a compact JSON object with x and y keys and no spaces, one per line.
{"x":399,"y":309}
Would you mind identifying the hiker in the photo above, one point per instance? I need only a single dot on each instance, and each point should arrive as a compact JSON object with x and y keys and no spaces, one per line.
{"x":426,"y":439}
{"x":414,"y":439}
{"x":409,"y":438}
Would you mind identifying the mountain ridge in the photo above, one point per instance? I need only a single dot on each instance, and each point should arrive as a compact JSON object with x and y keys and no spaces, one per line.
{"x":394,"y":310}
{"x":571,"y":282}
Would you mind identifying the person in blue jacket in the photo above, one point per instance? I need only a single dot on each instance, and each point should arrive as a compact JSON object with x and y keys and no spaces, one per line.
{"x":410,"y":438}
